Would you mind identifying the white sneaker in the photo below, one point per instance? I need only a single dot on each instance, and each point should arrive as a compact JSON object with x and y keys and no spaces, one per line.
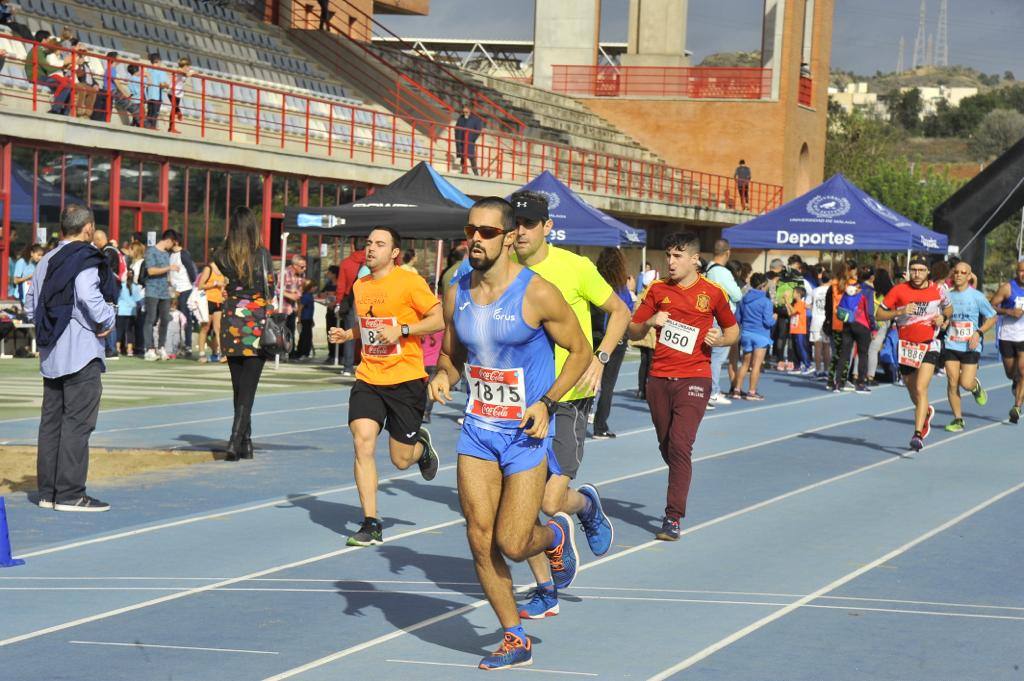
{"x":162,"y":353}
{"x":151,"y":355}
{"x":719,"y":398}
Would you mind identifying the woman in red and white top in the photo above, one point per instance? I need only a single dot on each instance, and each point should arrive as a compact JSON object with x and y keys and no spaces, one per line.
{"x":920,"y":309}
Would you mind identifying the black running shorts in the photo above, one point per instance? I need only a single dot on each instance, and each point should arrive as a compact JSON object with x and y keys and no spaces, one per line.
{"x":1010,"y":349}
{"x":396,"y":408}
{"x":962,"y":356}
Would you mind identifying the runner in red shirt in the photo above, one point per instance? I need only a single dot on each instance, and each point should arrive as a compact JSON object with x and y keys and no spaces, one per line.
{"x":682,"y":307}
{"x":920,"y":309}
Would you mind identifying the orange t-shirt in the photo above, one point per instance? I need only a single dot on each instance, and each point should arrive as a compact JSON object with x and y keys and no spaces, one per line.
{"x":798,"y":320}
{"x":400,"y":297}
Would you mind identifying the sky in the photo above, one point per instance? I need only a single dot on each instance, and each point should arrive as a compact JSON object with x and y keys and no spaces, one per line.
{"x":984,"y":34}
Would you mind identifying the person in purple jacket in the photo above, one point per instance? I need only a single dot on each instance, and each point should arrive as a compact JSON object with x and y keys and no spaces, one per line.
{"x":756,"y":317}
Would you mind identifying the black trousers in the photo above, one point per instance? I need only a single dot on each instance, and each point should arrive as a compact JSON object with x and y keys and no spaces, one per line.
{"x":245,"y":378}
{"x":861,"y":335}
{"x":305,"y":345}
{"x":70,"y":406}
{"x":781,"y":334}
{"x":646,"y":355}
{"x":608,"y":379}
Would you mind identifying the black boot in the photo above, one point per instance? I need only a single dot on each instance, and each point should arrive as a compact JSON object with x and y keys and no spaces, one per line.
{"x":245,"y":434}
{"x":235,"y":443}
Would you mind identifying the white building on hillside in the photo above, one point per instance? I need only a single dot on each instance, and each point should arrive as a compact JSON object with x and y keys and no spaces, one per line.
{"x":932,"y":95}
{"x":855,"y":96}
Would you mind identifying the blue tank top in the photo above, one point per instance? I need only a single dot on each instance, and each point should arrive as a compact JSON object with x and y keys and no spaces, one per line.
{"x":506,"y":357}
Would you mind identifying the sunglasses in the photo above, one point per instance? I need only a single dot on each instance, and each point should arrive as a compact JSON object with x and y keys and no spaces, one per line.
{"x":485,"y":231}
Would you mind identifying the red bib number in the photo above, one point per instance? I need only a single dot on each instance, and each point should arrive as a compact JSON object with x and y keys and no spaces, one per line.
{"x":498,"y":394}
{"x":369,"y":332}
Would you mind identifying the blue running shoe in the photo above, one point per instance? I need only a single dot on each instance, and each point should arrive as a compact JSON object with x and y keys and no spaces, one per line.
{"x":514,"y":652}
{"x":597,"y":527}
{"x":563,"y":558}
{"x":543,"y":603}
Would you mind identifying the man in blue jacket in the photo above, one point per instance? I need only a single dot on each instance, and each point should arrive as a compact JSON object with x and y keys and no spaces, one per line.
{"x":68,"y":304}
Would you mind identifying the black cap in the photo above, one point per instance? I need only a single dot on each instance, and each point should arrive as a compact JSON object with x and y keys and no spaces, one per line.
{"x":918,"y":260}
{"x":530,"y":207}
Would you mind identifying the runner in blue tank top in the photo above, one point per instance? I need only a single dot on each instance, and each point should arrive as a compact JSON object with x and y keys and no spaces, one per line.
{"x":1009,"y":304}
{"x":502,"y":321}
{"x":972,"y":317}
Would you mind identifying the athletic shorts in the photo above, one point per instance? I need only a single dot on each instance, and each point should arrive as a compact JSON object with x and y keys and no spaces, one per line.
{"x":213,"y":307}
{"x":933,"y":357}
{"x":1010,"y":349}
{"x":962,"y":356}
{"x":511,"y":449}
{"x":570,"y":434}
{"x":396,"y":408}
{"x":751,"y":343}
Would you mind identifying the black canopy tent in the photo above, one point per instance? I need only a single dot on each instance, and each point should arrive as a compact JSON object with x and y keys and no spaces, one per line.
{"x":420,"y":205}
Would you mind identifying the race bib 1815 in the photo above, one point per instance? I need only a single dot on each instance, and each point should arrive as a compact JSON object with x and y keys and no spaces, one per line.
{"x":496,"y":393}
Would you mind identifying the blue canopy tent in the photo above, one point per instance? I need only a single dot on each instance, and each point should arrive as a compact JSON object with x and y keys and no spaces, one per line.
{"x":577,"y":222}
{"x":836,"y":216}
{"x":47,"y":193}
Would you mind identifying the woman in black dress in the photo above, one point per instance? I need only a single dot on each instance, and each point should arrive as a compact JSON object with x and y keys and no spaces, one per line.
{"x":247,"y":266}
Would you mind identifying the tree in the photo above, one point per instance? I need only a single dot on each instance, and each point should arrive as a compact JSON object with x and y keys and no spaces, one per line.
{"x":998,"y":131}
{"x":905,"y":108}
{"x":1008,"y":75}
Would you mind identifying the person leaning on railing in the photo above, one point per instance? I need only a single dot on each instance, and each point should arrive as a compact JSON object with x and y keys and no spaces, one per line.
{"x":43,"y":66}
{"x":119,"y":95}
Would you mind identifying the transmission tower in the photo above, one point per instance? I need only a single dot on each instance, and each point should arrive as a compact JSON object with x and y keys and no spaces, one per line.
{"x":899,"y":60}
{"x":942,"y":39}
{"x":929,"y":55}
{"x":919,"y":41}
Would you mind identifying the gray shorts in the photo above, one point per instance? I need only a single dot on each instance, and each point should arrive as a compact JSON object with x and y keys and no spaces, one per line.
{"x":570,"y":434}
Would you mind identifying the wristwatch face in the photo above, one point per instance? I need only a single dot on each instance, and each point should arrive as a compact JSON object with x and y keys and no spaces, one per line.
{"x":602,"y":357}
{"x":405,"y":329}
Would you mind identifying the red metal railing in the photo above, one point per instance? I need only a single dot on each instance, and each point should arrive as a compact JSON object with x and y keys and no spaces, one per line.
{"x":218,"y":109}
{"x":806,"y":93}
{"x":417,"y":70}
{"x":701,"y":82}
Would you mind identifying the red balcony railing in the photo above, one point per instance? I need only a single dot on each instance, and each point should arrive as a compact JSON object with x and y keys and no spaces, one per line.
{"x":700,"y":82}
{"x":223,"y":110}
{"x":806,"y":93}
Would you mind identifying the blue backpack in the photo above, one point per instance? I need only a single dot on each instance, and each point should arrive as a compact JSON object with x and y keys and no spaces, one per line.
{"x":847,"y":310}
{"x":889,"y":354}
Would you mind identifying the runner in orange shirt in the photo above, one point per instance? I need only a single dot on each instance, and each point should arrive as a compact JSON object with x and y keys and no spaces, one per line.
{"x":394,"y":307}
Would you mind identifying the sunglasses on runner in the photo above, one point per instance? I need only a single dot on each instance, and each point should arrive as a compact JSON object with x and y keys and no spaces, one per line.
{"x":485,"y":231}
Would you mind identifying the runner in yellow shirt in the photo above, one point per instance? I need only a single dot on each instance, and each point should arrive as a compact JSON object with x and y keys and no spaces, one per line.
{"x":393,"y":308}
{"x":581,"y":285}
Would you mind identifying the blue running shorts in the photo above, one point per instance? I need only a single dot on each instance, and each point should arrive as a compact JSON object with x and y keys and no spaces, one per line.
{"x":511,"y":449}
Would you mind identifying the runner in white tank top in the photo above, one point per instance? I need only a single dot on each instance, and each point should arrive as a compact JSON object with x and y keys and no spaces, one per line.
{"x":1009,"y":304}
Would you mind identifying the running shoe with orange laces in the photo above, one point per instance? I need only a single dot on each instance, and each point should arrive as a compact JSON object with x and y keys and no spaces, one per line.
{"x":563,"y":557}
{"x":514,"y":652}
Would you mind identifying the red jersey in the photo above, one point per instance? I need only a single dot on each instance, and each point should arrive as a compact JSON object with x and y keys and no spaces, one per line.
{"x":680,"y":351}
{"x":929,"y":301}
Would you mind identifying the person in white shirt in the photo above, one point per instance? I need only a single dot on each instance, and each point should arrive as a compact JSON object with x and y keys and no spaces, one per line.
{"x":822,"y":347}
{"x":177,"y":93}
{"x":180,"y":281}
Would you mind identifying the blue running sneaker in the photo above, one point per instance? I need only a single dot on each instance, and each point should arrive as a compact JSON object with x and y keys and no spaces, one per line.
{"x":543,"y":603}
{"x":563,"y":558}
{"x":597,"y":527}
{"x":514,"y":652}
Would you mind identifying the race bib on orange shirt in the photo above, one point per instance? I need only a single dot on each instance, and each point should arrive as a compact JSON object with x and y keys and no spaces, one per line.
{"x":369,"y":333}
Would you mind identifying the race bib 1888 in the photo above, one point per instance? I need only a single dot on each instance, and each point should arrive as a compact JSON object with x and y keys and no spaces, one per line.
{"x":679,"y":336}
{"x":496,"y":393}
{"x":369,"y":332}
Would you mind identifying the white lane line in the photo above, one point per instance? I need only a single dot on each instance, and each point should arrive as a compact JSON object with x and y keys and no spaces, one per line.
{"x":212,"y":516}
{"x":154,"y":645}
{"x":533,"y":670}
{"x":216,"y":585}
{"x":930,"y":613}
{"x":831,"y":586}
{"x":333,"y":657}
{"x":179,"y":424}
{"x":600,"y":561}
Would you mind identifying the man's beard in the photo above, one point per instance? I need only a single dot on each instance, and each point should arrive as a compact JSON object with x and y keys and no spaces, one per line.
{"x":481,"y":262}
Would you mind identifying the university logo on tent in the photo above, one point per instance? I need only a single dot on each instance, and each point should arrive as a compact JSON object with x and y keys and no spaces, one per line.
{"x":554,"y":200}
{"x":828,"y":206}
{"x":632,"y":236}
{"x":887,"y":213}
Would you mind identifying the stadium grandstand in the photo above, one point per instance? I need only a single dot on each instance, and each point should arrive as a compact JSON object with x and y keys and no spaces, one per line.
{"x":167,"y":113}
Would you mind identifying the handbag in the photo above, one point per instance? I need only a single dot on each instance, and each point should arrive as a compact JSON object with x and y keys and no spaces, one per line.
{"x":276,"y":338}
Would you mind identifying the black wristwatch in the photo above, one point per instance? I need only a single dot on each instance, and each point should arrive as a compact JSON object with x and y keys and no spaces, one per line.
{"x":550,"y":404}
{"x":405,"y":330}
{"x":602,"y":356}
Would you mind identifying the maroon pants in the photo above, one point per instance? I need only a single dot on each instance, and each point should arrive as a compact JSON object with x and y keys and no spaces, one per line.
{"x":677,"y":406}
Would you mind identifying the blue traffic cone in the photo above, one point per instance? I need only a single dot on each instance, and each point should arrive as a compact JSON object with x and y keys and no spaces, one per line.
{"x":5,"y":542}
